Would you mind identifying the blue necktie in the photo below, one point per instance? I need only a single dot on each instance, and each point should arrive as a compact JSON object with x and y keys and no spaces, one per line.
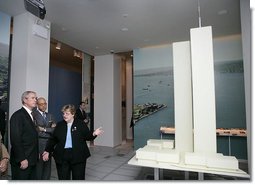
{"x":44,"y":115}
{"x":68,"y":137}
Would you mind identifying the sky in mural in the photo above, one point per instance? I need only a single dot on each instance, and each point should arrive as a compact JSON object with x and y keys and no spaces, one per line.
{"x":4,"y":28}
{"x":227,"y":49}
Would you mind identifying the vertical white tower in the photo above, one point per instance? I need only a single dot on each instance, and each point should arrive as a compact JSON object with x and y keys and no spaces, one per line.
{"x":182,"y":97}
{"x":204,"y":115}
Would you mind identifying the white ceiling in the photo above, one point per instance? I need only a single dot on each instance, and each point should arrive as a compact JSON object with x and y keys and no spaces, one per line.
{"x":95,"y":26}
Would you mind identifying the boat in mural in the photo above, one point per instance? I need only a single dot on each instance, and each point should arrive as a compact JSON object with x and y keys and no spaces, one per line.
{"x":143,"y":110}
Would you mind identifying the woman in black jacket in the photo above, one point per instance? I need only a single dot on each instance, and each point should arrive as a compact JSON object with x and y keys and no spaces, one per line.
{"x":69,"y":147}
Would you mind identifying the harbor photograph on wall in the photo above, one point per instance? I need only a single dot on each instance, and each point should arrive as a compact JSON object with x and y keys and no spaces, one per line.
{"x":153,"y":93}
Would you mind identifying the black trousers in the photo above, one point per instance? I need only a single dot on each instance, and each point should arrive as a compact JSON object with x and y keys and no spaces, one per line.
{"x":67,"y":168}
{"x":19,"y":174}
{"x":43,"y":169}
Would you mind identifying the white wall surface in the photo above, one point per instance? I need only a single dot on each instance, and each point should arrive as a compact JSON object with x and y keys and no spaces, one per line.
{"x":107,"y":100}
{"x":30,"y":60}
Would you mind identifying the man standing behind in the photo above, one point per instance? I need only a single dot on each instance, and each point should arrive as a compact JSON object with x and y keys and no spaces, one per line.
{"x":24,"y":140}
{"x":45,"y":127}
{"x":81,"y":114}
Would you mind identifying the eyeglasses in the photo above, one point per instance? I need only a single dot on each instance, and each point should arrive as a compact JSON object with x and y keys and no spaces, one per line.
{"x":42,"y":103}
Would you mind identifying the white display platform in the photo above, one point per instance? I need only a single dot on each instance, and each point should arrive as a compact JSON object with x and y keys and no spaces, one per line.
{"x":161,"y":143}
{"x":156,"y":153}
{"x":190,"y":168}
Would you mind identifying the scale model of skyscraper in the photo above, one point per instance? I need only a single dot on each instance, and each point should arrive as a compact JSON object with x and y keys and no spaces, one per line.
{"x":195,"y":115}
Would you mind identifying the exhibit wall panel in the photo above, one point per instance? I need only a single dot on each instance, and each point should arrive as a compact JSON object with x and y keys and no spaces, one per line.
{"x":153,"y":87}
{"x":5,"y":27}
{"x":204,"y":113}
{"x":60,"y":93}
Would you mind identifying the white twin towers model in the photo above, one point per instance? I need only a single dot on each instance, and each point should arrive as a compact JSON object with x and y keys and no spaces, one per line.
{"x":195,"y":115}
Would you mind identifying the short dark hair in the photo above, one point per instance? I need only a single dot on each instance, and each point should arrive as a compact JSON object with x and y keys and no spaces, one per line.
{"x":82,"y":102}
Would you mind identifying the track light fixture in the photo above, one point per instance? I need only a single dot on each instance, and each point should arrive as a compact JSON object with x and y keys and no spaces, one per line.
{"x":58,"y":46}
{"x":78,"y":54}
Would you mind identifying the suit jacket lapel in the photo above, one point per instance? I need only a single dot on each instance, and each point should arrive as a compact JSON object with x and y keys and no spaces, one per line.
{"x":32,"y":123}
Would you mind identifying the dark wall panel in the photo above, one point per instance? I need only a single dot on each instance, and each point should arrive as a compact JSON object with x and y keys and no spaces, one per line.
{"x":64,"y":88}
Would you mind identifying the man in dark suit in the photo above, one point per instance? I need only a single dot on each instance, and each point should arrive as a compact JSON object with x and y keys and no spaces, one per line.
{"x":81,"y":114}
{"x":69,"y":147}
{"x":24,"y":140}
{"x":45,"y":123}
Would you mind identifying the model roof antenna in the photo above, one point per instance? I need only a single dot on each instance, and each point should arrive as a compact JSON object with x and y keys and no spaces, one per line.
{"x":199,"y":15}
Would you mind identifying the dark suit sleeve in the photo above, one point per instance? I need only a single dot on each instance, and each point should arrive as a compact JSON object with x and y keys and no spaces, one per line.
{"x":51,"y":143}
{"x":88,"y":134}
{"x":16,"y":137}
{"x":50,"y":129}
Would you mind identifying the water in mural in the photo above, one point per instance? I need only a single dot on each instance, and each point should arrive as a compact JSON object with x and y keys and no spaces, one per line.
{"x":153,"y":87}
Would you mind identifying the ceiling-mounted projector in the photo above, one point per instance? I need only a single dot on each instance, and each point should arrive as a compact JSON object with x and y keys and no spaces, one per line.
{"x":35,"y":7}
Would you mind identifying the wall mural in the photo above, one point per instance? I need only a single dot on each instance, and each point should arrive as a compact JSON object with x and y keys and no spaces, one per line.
{"x":5,"y":21}
{"x":154,"y":94}
{"x":4,"y":56}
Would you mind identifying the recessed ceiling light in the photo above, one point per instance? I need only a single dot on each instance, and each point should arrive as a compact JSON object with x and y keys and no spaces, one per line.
{"x":222,"y":12}
{"x":63,"y":29}
{"x":124,"y":29}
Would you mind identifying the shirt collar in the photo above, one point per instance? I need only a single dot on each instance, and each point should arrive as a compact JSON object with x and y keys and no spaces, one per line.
{"x":69,"y":124}
{"x":27,"y":109}
{"x":40,"y":111}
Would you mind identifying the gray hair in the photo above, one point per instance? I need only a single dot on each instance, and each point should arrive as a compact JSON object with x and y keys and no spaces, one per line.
{"x":25,"y":95}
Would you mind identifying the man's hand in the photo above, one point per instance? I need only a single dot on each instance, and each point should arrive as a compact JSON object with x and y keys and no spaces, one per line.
{"x":24,"y":164}
{"x":3,"y":165}
{"x":53,"y":125}
{"x":45,"y":156}
{"x":41,"y":129}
